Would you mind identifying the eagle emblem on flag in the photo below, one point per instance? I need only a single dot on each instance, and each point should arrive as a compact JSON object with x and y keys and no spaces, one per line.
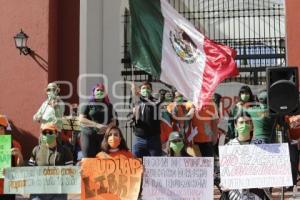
{"x":184,"y":46}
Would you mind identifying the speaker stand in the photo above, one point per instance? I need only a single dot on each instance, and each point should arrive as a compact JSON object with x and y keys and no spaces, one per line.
{"x":281,"y":137}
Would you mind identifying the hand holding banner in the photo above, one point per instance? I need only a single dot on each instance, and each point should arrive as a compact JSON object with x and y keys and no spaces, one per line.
{"x":5,"y":153}
{"x":111,"y":178}
{"x":255,"y":166}
{"x":42,"y":180}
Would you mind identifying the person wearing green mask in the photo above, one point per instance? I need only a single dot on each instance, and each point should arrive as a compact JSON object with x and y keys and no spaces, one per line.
{"x":168,"y":97}
{"x":165,"y":120}
{"x":263,"y":122}
{"x":50,"y":153}
{"x":176,"y":146}
{"x":146,"y":139}
{"x":245,"y":100}
{"x":181,"y":113}
{"x":94,"y":117}
{"x":243,"y":127}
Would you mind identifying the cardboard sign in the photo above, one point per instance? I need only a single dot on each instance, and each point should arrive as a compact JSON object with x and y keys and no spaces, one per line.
{"x":42,"y":180}
{"x":111,"y":178}
{"x":172,"y":178}
{"x":255,"y":166}
{"x":5,"y":153}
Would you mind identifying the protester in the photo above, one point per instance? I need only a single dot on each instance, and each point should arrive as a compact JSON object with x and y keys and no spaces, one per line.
{"x":114,"y":144}
{"x":263,"y":122}
{"x":182,"y":113}
{"x":50,"y":153}
{"x":165,"y":119}
{"x":221,"y":124}
{"x":176,"y":146}
{"x":146,"y":124}
{"x":94,"y":118}
{"x":169,"y":97}
{"x":245,"y":100}
{"x":17,"y":158}
{"x":205,"y":121}
{"x":243,"y":126}
{"x":52,"y":110}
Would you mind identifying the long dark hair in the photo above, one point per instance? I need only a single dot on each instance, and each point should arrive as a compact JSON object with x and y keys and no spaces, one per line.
{"x":170,"y":151}
{"x":102,"y":87}
{"x":105,"y":146}
{"x":246,"y":89}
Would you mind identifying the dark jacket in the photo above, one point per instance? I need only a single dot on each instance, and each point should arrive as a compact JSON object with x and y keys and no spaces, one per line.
{"x":146,"y":117}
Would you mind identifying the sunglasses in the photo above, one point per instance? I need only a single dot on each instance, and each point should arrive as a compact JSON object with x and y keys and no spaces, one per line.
{"x":51,"y":89}
{"x":176,"y":141}
{"x":47,"y":132}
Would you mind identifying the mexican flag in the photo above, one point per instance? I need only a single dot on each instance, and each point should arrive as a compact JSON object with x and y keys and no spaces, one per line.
{"x":167,"y":46}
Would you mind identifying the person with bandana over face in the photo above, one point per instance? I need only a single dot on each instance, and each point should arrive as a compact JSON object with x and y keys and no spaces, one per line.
{"x":146,"y":124}
{"x":94,"y":118}
{"x":176,"y":146}
{"x":50,"y":153}
{"x":243,"y":127}
{"x":114,"y":144}
{"x":245,"y":100}
{"x":52,"y":110}
{"x":17,"y":158}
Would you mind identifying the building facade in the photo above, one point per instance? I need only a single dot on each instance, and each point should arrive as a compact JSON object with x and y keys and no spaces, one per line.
{"x":77,"y":41}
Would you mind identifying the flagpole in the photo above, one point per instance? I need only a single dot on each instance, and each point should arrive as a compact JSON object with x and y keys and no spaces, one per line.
{"x":133,"y":89}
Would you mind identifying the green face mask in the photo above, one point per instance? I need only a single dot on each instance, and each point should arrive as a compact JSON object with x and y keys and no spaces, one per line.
{"x":176,"y":147}
{"x":179,"y":99}
{"x":48,"y":139}
{"x":245,"y":97}
{"x":168,"y":98}
{"x":145,"y":92}
{"x":99,"y":94}
{"x":243,"y":129}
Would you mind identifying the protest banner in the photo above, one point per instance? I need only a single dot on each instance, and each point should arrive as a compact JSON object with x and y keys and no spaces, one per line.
{"x":111,"y":178}
{"x":255,"y":166}
{"x":42,"y":180}
{"x":177,"y":178}
{"x":5,"y":153}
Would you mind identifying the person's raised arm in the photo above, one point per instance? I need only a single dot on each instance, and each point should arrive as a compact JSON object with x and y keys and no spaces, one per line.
{"x":89,"y":123}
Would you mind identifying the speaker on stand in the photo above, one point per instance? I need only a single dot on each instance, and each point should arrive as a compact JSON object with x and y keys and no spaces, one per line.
{"x":283,"y":99}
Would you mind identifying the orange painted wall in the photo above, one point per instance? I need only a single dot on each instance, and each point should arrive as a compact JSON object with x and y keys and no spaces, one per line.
{"x":293,"y":32}
{"x":23,"y":78}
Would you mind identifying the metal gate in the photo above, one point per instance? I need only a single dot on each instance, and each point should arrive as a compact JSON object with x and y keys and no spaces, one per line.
{"x":255,"y":28}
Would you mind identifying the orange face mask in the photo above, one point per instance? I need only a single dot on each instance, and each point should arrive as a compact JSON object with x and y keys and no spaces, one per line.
{"x":114,"y":141}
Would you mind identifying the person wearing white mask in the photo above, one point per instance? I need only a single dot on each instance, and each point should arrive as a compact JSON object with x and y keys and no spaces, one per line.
{"x":52,"y":109}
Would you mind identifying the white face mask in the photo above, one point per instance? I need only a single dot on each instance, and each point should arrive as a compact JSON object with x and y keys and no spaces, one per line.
{"x":51,"y":95}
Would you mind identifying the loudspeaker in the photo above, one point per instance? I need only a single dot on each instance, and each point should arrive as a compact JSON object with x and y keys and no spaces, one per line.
{"x":283,"y":92}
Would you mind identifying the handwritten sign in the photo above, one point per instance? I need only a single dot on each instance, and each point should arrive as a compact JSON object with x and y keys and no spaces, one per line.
{"x":170,"y":178}
{"x":255,"y":166}
{"x":111,"y":178}
{"x":5,"y":152}
{"x":42,"y":180}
